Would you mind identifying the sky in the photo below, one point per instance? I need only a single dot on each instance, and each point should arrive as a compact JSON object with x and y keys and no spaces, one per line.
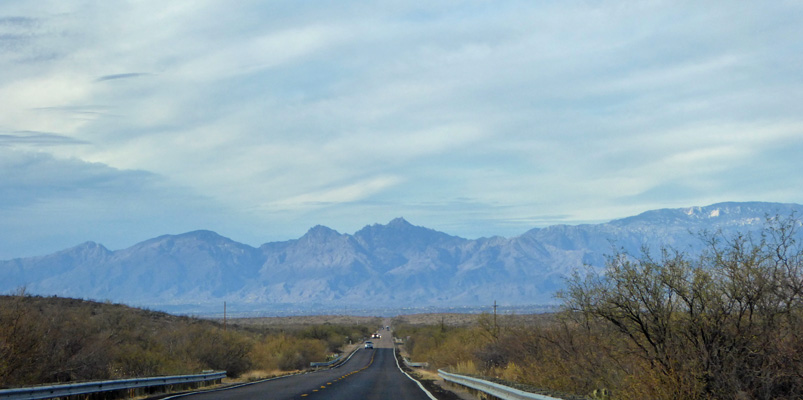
{"x":122,"y":121}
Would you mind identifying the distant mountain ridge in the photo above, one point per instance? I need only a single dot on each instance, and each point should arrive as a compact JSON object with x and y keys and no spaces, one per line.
{"x":393,"y":265}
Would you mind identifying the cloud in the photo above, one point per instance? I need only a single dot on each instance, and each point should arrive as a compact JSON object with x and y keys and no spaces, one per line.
{"x":37,"y":139}
{"x":49,"y":204}
{"x":470,"y":116}
{"x":17,"y":21}
{"x":40,"y":176}
{"x":353,"y":192}
{"x":121,"y":76}
{"x":16,"y":32}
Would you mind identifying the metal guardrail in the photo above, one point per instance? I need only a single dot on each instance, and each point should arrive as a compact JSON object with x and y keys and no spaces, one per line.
{"x":494,"y":389}
{"x":326,"y":364}
{"x":335,"y":361}
{"x":415,"y":364}
{"x":49,"y":392}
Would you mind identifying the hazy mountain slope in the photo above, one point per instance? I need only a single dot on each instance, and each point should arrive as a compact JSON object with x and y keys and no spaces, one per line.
{"x":392,"y":265}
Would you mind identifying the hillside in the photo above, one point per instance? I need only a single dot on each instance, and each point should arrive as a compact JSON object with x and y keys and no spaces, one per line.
{"x":395,"y":265}
{"x":50,"y":339}
{"x":53,"y":339}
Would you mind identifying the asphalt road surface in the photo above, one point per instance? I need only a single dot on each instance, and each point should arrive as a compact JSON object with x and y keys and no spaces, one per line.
{"x":369,"y":374}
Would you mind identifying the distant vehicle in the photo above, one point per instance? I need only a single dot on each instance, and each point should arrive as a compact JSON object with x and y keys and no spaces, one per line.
{"x":376,"y":336}
{"x":369,"y":345}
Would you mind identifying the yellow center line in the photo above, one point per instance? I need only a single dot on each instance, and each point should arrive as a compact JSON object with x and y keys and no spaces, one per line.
{"x":344,"y":376}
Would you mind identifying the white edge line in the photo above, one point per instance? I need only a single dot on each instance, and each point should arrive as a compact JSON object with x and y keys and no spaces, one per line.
{"x":411,"y":378}
{"x":260,"y":381}
{"x":232,"y":387}
{"x":347,"y":359}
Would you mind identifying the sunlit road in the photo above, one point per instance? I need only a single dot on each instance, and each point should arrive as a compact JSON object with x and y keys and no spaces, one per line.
{"x":369,"y":374}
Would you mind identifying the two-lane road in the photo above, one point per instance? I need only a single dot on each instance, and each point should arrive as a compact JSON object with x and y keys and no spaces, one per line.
{"x":369,"y":374}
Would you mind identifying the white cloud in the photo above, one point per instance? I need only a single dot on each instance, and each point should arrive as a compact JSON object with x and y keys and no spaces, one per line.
{"x":23,"y":101}
{"x":332,"y":196}
{"x":258,"y":54}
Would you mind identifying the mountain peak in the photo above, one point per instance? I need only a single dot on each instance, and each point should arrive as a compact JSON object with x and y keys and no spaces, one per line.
{"x":83,"y":250}
{"x":321,"y":231}
{"x":202,"y":234}
{"x":400,"y":221}
{"x":726,"y":212}
{"x":395,"y":225}
{"x":399,"y":233}
{"x":90,"y":245}
{"x":198,"y":235}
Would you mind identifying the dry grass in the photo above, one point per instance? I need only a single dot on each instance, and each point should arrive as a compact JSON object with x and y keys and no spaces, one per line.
{"x":257,"y":375}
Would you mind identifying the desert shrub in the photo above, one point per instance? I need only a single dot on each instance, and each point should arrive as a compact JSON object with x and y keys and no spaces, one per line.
{"x":725,"y":324}
{"x":44,"y":340}
{"x":720,"y":325}
{"x":133,"y":360}
{"x":334,"y":336}
{"x":288,"y":353}
{"x":223,"y":351}
{"x":20,"y":346}
{"x":40,"y":345}
{"x":440,"y":345}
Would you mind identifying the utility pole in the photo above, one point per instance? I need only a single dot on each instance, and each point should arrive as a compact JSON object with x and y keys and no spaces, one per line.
{"x":224,"y":316}
{"x":496,"y":327}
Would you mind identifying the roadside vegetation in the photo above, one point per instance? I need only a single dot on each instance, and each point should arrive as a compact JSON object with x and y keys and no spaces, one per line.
{"x":50,"y":339}
{"x":727,"y":324}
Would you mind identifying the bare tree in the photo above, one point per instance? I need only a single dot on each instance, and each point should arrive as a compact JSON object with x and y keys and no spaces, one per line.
{"x":727,"y":319}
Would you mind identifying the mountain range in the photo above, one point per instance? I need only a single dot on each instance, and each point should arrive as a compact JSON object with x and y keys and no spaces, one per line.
{"x":395,"y":265}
